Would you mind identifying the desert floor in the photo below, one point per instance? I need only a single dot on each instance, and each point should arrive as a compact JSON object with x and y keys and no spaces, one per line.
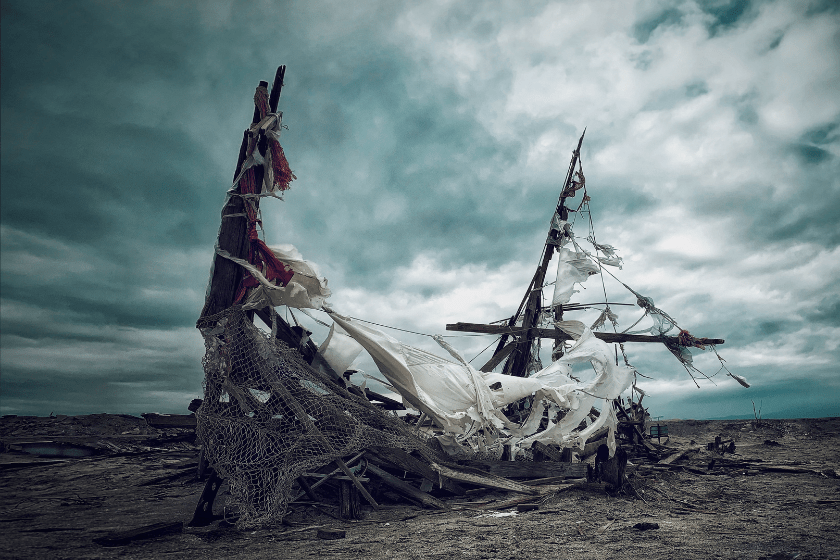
{"x":781,"y":503}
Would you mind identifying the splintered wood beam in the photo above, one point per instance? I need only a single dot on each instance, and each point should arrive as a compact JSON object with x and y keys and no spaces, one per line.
{"x":498,"y":357}
{"x":560,"y":335}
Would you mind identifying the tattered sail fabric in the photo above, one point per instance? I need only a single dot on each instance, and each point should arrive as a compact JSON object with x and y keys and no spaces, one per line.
{"x":606,"y":314}
{"x":463,"y":400}
{"x":610,"y":381}
{"x":572,"y":267}
{"x":443,"y":390}
{"x":609,"y":258}
{"x":563,"y":229}
{"x":661,"y":325}
{"x":275,"y":178}
{"x":305,"y":289}
{"x":339,"y":349}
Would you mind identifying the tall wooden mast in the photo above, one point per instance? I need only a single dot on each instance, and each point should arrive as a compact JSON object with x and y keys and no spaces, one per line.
{"x":520,"y":353}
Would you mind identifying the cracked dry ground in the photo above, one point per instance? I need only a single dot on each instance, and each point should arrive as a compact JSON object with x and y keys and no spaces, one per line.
{"x":56,"y":510}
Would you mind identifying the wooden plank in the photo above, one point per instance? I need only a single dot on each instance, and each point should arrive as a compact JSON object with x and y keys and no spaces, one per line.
{"x":549,"y":451}
{"x":527,"y":469}
{"x":560,"y":335}
{"x":406,"y":489}
{"x":407,"y":462}
{"x":471,"y":475}
{"x":498,"y":357}
{"x":644,"y":441}
{"x":676,"y":456}
{"x":328,"y":477}
{"x":388,"y":403}
{"x":554,"y":480}
{"x":542,"y":492}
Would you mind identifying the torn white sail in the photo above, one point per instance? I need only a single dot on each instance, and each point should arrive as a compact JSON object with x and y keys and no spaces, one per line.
{"x":572,"y":268}
{"x":306,"y":289}
{"x":463,"y":400}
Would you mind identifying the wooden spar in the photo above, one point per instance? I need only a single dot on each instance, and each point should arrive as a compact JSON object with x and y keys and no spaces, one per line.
{"x":499,"y":356}
{"x":557,"y":334}
{"x":563,"y":212}
{"x":517,"y":363}
{"x":233,"y":238}
{"x":233,"y":233}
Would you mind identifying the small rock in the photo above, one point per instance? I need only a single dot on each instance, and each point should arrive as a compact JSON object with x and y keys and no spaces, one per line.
{"x":644,"y":526}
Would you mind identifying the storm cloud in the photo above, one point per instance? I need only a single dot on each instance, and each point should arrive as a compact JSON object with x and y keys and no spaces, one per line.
{"x":429,"y":141}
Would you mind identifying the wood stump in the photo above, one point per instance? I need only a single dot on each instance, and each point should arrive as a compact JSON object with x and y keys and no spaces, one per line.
{"x":351,"y":507}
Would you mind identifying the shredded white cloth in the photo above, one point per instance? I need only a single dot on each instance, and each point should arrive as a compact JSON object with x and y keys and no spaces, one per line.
{"x":339,"y":350}
{"x":306,"y":289}
{"x":573,"y":267}
{"x":463,"y":400}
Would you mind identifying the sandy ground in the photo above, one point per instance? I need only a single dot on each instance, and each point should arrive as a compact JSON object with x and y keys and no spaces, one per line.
{"x":56,"y":508}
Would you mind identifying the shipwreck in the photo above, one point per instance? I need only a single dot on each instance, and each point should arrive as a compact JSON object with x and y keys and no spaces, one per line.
{"x":281,"y":419}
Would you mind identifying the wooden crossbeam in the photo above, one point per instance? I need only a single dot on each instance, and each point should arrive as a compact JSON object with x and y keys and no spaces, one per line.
{"x":560,"y":335}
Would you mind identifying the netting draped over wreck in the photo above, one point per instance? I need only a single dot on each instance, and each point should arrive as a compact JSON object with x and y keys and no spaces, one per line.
{"x":268,"y":417}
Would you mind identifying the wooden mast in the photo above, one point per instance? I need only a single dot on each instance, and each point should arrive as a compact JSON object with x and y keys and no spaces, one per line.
{"x":226,"y":275}
{"x":518,"y":352}
{"x":517,"y":363}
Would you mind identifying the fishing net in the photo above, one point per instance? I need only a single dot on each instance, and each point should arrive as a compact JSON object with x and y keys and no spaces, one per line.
{"x":268,"y":417}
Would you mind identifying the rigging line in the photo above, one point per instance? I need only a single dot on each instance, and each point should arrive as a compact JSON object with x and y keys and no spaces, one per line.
{"x":659,"y":311}
{"x":600,"y":265}
{"x":645,"y":314}
{"x":483,"y":351}
{"x":414,"y":332}
{"x":293,"y":316}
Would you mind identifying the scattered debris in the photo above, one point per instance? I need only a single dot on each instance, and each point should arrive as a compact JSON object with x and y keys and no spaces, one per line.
{"x":721,"y":446}
{"x":145,"y":532}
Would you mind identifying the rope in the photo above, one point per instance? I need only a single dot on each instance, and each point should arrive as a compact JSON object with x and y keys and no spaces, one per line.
{"x":414,"y":332}
{"x":485,"y":349}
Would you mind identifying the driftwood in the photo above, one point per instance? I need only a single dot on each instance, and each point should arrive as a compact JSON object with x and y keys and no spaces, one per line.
{"x":542,"y":492}
{"x":677,"y":456}
{"x":477,"y":477}
{"x":406,"y":489}
{"x":384,"y":456}
{"x":145,"y":532}
{"x":526,"y":469}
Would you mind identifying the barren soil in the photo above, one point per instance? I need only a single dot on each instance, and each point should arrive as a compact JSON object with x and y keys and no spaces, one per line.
{"x":55,"y":508}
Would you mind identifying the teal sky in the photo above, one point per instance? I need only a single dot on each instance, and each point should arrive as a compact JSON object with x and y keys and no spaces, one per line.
{"x":430,"y":140}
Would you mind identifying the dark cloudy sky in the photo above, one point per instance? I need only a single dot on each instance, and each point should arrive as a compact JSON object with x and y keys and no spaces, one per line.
{"x":429,"y":140}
